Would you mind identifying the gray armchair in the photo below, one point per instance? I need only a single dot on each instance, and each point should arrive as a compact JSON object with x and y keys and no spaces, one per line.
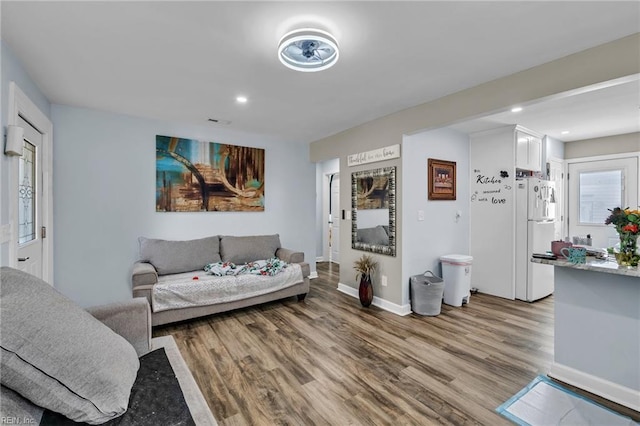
{"x":130,"y":319}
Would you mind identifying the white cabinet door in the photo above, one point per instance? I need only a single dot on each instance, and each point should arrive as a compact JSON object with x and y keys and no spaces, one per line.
{"x":535,"y":154}
{"x":522,"y":151}
{"x":528,"y":152}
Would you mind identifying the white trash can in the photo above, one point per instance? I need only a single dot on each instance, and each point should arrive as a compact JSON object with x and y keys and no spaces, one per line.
{"x":456,"y":271}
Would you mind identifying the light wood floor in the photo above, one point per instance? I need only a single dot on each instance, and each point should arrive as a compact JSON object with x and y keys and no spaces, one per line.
{"x":327,"y":360}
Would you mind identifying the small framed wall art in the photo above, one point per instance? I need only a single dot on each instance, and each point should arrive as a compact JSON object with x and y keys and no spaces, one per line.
{"x":441,"y":179}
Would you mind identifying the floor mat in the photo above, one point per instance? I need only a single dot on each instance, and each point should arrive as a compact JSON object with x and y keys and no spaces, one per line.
{"x":156,"y":398}
{"x":545,"y":402}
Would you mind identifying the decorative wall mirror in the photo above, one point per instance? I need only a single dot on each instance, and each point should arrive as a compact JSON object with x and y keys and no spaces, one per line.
{"x":373,"y":203}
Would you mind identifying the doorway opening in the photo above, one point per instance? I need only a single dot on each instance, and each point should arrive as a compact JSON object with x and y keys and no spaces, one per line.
{"x":328,"y":211}
{"x":334,"y":218}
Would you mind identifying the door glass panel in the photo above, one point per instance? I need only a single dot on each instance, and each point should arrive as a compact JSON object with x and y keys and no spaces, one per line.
{"x":599,"y":191}
{"x":26,"y":194}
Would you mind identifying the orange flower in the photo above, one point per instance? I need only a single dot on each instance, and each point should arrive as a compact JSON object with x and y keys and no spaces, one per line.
{"x":632,"y":227}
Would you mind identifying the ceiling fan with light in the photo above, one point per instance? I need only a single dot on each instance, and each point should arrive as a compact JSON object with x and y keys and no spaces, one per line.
{"x":308,"y":50}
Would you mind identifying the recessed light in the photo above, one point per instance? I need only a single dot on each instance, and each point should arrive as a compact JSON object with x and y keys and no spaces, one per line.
{"x":565,"y":132}
{"x":516,"y":109}
{"x":242,"y":99}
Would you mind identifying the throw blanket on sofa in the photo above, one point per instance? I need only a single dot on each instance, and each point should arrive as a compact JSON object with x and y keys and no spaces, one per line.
{"x":201,"y":289}
{"x":270,"y":267}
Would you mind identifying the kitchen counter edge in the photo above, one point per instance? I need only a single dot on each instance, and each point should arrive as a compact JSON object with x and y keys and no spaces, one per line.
{"x":596,"y":265}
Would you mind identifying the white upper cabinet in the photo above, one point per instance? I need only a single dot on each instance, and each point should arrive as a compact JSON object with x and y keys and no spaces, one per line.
{"x":528,"y":152}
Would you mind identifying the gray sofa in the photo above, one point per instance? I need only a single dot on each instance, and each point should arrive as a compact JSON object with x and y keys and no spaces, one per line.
{"x":377,"y":235}
{"x":162,"y":261}
{"x":76,"y":362}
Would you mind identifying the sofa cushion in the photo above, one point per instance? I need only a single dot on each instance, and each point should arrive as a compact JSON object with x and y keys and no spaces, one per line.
{"x":15,"y":406}
{"x":174,"y":257}
{"x":376,"y":236}
{"x":248,"y":249}
{"x":58,"y":356}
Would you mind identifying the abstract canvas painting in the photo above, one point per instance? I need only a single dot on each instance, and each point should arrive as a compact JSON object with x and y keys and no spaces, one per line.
{"x":194,"y":176}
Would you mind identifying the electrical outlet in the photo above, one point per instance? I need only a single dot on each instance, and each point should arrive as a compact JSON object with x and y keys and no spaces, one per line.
{"x":384,"y":281}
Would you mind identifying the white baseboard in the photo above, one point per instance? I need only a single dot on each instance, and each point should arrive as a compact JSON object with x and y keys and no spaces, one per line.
{"x":350,"y":291}
{"x":380,"y":303}
{"x":596,"y":385}
{"x":327,"y":260}
{"x":313,"y":274}
{"x":322,"y":259}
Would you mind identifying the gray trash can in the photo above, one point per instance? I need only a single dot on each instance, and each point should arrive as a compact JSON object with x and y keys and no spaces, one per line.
{"x":426,"y":293}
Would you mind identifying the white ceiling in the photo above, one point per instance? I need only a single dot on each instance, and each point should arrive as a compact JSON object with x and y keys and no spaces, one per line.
{"x":604,"y":111}
{"x":187,"y":61}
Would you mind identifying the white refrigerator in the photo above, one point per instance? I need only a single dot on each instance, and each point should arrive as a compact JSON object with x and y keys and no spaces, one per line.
{"x":535,"y":226}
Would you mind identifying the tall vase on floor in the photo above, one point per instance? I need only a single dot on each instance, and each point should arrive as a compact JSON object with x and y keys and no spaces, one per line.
{"x":365,"y":291}
{"x":629,"y":255}
{"x":365,"y":267}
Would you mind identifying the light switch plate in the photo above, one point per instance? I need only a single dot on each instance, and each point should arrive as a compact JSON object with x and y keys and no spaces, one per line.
{"x":420,"y":214}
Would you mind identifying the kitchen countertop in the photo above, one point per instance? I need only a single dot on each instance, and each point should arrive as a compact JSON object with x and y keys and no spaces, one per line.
{"x":605,"y":266}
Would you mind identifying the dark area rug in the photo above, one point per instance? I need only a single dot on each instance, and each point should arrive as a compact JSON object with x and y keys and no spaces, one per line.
{"x":156,"y":398}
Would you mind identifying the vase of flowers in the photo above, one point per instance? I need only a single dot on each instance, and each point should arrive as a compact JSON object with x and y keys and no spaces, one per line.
{"x":365,"y":267}
{"x":627,"y":223}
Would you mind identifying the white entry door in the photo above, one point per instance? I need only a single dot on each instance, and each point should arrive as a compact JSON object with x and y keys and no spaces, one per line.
{"x":30,"y":190}
{"x":595,"y":187}
{"x":335,"y":220}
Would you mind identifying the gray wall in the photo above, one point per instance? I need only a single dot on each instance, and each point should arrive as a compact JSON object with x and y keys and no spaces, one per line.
{"x":607,"y":62}
{"x":597,"y":328}
{"x":12,"y":70}
{"x":104,"y":184}
{"x":389,"y":266}
{"x":618,"y":144}
{"x":440,"y":233}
